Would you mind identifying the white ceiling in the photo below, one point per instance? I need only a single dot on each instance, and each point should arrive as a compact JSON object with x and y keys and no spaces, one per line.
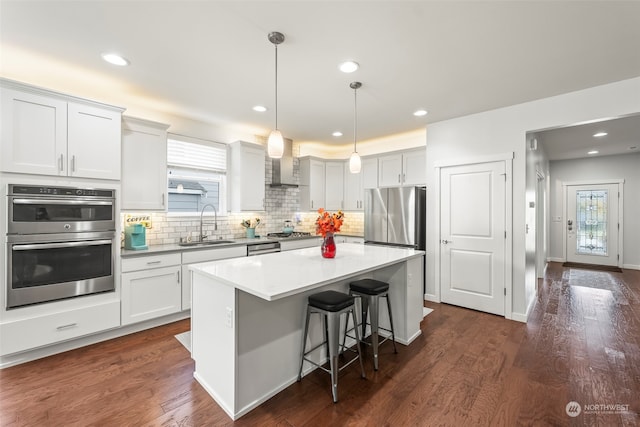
{"x":623,"y":136}
{"x":211,"y":60}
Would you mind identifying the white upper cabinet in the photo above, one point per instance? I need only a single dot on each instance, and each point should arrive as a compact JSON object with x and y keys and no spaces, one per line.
{"x":353,"y":190}
{"x":47,"y":133}
{"x":369,"y":172}
{"x":414,"y":167}
{"x":390,"y":170}
{"x":334,"y":185}
{"x":93,"y":142}
{"x":144,"y":165}
{"x":312,"y":184}
{"x":246,"y":172}
{"x":406,"y":168}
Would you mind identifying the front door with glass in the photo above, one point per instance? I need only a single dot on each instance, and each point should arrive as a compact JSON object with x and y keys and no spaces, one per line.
{"x":592,"y":224}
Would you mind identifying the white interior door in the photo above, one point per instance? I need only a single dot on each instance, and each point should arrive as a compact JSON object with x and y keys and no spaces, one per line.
{"x":592,"y":224}
{"x":472,"y":236}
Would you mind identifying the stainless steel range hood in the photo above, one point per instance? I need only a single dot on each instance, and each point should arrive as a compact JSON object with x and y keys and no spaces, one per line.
{"x":283,"y":168}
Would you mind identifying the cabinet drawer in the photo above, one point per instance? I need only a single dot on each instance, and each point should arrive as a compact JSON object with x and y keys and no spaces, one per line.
{"x":36,"y":332}
{"x":193,"y":256}
{"x":151,"y":261}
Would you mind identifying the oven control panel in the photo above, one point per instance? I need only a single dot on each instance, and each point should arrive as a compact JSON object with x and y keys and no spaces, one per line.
{"x":16,"y":190}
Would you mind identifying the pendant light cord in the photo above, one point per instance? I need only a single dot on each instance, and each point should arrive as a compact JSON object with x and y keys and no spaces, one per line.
{"x":355,"y":118}
{"x":276,"y":86}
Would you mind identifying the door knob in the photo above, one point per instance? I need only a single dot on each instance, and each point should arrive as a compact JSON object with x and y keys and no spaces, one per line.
{"x":446,"y":241}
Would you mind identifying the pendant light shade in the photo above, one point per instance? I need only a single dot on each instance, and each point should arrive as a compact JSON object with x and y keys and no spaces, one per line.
{"x":275,"y":143}
{"x":355,"y":163}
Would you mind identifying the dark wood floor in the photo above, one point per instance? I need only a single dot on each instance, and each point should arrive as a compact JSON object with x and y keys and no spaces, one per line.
{"x":582,"y":344}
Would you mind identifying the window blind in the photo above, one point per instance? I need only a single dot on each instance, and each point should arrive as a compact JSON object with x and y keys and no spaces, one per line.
{"x":197,"y":156}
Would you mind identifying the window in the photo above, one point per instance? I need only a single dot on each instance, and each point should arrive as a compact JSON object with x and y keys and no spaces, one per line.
{"x":196,"y":174}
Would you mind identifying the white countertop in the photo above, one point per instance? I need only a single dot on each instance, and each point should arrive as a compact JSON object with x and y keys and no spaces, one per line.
{"x":278,"y":275}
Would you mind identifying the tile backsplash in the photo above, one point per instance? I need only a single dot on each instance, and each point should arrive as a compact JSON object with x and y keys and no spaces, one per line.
{"x":281,"y":204}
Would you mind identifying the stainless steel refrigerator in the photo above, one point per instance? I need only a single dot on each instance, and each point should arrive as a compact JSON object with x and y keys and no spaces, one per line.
{"x":395,"y":216}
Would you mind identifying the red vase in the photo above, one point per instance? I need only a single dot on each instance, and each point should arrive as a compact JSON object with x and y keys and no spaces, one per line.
{"x":328,"y":246}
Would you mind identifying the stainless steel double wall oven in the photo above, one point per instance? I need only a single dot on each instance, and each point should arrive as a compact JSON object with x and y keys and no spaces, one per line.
{"x":60,"y":243}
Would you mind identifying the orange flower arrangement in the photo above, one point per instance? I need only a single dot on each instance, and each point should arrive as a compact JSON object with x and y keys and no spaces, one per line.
{"x":328,"y":222}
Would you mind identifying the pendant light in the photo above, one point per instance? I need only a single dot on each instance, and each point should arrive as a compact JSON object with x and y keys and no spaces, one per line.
{"x":275,"y":143}
{"x":355,"y":164}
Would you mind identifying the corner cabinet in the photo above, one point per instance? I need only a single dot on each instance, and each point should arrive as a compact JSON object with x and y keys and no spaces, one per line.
{"x":334,"y":185}
{"x":400,"y":169}
{"x":312,"y":183}
{"x":246,"y":174}
{"x":369,"y":173}
{"x":353,"y":190}
{"x":48,"y":133}
{"x":151,"y":287}
{"x":144,"y":165}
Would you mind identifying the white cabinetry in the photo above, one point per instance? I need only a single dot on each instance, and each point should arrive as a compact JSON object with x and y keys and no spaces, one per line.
{"x":353,"y":190}
{"x":47,"y":133}
{"x":334,"y":185}
{"x":144,"y":165}
{"x":246,"y":177}
{"x":349,"y":239}
{"x":195,"y":256}
{"x":369,"y":172}
{"x":312,"y":183}
{"x":289,"y":245}
{"x":398,"y":169}
{"x":38,"y":331}
{"x":151,"y":287}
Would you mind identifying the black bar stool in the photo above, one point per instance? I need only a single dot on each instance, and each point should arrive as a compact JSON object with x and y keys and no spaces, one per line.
{"x":370,"y":291}
{"x":331,"y":305}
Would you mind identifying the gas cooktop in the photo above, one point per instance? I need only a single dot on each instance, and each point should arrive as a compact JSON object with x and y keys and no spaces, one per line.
{"x":288,"y":235}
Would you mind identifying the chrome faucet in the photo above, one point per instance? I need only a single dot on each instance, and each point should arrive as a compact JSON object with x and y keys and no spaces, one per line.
{"x":215,"y":223}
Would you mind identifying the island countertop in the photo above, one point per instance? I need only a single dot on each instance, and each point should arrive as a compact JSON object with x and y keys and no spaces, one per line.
{"x":278,"y":275}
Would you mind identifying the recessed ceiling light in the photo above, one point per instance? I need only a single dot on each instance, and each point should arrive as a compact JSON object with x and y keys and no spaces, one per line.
{"x":260,"y":108}
{"x":337,"y":133}
{"x":115,"y":59}
{"x":348,"y":66}
{"x":420,"y":113}
{"x":599,"y":134}
{"x":593,"y":152}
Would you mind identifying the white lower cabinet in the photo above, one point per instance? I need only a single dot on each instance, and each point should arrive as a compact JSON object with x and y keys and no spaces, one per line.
{"x":349,"y":239}
{"x":34,"y":332}
{"x":151,"y":287}
{"x":195,"y":256}
{"x":289,"y":245}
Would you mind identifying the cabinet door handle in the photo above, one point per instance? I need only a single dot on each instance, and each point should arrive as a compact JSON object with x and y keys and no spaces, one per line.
{"x":153,"y":262}
{"x":178,"y":273}
{"x":61,"y":164}
{"x":398,"y":178}
{"x":73,"y":163}
{"x":69,"y":326}
{"x":404,"y":177}
{"x":312,"y":204}
{"x":163,"y":200}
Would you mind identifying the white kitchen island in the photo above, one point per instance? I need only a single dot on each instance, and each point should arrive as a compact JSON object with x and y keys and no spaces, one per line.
{"x":247,"y":314}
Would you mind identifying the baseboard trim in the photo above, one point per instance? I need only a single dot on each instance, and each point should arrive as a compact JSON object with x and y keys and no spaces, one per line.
{"x":631,"y":266}
{"x":553,"y":259}
{"x":431,"y":298}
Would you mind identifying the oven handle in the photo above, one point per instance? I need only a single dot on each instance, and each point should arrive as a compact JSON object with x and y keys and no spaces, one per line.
{"x":61,"y":202}
{"x":59,"y":245}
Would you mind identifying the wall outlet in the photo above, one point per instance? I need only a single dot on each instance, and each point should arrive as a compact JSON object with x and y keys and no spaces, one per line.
{"x":228,"y":320}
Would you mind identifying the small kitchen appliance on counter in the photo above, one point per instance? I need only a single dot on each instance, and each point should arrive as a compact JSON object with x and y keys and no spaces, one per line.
{"x":135,"y":237}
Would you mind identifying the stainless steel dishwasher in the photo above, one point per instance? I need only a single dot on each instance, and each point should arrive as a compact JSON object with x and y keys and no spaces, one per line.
{"x":262,"y":248}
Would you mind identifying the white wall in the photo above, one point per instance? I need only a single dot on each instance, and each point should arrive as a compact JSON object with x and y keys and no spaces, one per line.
{"x":625,"y":167}
{"x":504,"y":130}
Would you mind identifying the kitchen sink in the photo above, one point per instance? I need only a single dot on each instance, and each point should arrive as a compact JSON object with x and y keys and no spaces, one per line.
{"x":205,"y":243}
